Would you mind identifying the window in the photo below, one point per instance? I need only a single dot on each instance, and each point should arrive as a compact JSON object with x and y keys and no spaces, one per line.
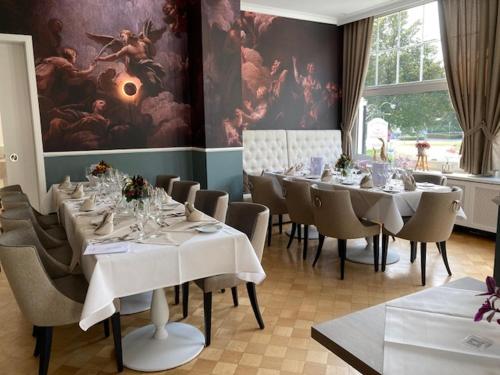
{"x":406,"y":96}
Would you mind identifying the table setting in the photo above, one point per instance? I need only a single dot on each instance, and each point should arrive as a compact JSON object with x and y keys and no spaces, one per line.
{"x":134,"y":238}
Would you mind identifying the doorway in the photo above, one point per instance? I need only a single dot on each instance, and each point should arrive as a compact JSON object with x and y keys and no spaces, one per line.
{"x":21,"y":151}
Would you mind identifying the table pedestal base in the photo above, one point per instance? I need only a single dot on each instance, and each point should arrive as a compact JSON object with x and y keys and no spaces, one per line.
{"x":363,"y":254}
{"x":136,"y":303}
{"x":142,"y":352}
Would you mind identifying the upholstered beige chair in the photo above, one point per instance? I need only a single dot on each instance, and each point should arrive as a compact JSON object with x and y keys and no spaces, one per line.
{"x":166,"y":181}
{"x":185,"y":191}
{"x":335,"y":217}
{"x":433,"y":222}
{"x":436,"y":179}
{"x":251,"y":219}
{"x":46,"y":301}
{"x":9,"y":190}
{"x":299,"y":205}
{"x":265,"y":192}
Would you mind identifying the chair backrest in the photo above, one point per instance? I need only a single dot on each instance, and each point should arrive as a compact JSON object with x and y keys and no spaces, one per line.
{"x":251,"y":219}
{"x":435,"y":217}
{"x":166,"y":182}
{"x":185,"y":191}
{"x":432,"y":178}
{"x":37,"y":297}
{"x":21,"y":233}
{"x":298,"y":201}
{"x":334,"y":215}
{"x":213,"y":203}
{"x":265,"y":191}
{"x":14,"y":200}
{"x":10,"y":189}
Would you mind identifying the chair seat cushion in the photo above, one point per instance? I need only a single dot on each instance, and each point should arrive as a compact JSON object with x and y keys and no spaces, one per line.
{"x":57,"y":232}
{"x":46,"y":221}
{"x":215,"y":283}
{"x":72,"y":286}
{"x":62,"y":254}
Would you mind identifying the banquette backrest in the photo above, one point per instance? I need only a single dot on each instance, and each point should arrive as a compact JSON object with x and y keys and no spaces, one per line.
{"x":304,"y":144}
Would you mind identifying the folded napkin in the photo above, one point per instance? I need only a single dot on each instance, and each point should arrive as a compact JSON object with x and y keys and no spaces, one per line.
{"x":409,"y":183}
{"x":299,"y":167}
{"x":192,"y":214}
{"x":327,"y":175}
{"x":366,"y":182}
{"x":89,"y":203}
{"x":165,"y":198}
{"x":290,"y":171}
{"x":106,"y":226}
{"x":66,"y":183}
{"x":78,"y":192}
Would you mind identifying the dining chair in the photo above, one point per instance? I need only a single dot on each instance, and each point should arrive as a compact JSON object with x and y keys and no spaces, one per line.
{"x":265,"y":192}
{"x":251,"y":219}
{"x":334,"y":217}
{"x":436,"y":179}
{"x":166,"y":182}
{"x":45,"y":301}
{"x":184,"y":191}
{"x":9,"y":190}
{"x":213,"y":203}
{"x":433,"y":221}
{"x":299,"y":205}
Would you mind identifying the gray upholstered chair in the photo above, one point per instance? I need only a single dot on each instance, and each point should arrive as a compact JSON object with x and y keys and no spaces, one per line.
{"x":10,"y":189}
{"x":433,"y":222}
{"x":436,"y":179}
{"x":335,"y":217}
{"x":166,"y":181}
{"x":299,"y":205}
{"x":265,"y":192}
{"x":251,"y":219}
{"x":185,"y":191}
{"x":46,"y":301}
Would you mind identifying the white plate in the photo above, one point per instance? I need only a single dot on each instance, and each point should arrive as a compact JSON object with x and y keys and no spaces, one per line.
{"x":209,"y":228}
{"x":347,"y":182}
{"x":425,"y":184}
{"x":390,"y":190}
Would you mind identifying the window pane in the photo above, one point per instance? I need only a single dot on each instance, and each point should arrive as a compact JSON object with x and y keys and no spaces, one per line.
{"x":370,"y":76}
{"x":387,"y":68}
{"x":409,"y":64}
{"x":411,"y":117}
{"x":431,"y":22}
{"x":411,"y":26}
{"x":433,"y":61}
{"x":388,"y":32}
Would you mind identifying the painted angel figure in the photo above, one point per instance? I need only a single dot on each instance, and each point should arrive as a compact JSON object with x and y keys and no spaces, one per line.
{"x":138,"y":51}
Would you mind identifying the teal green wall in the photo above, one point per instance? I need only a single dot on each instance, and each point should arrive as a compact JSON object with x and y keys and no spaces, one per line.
{"x":220,"y":170}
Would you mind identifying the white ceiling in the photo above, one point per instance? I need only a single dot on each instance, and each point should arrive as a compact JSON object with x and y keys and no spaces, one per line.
{"x":328,"y":11}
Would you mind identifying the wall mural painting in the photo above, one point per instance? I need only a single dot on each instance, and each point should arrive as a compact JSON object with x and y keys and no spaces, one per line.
{"x":111,"y":74}
{"x":290,"y":76}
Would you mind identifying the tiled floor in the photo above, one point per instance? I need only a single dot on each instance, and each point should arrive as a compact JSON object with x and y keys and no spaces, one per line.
{"x":292,"y":298}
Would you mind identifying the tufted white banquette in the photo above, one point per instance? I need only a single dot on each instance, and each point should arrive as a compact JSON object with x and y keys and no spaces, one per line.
{"x":264,"y":149}
{"x":304,"y":144}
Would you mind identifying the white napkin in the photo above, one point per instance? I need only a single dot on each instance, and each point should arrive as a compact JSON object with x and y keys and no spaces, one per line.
{"x":299,"y":167}
{"x":366,"y":182}
{"x":66,"y":183}
{"x":88,"y":204}
{"x":409,"y":183}
{"x":326,"y":175}
{"x":290,"y":171}
{"x":165,"y":197}
{"x":192,"y":214}
{"x":106,"y":226}
{"x":78,"y":192}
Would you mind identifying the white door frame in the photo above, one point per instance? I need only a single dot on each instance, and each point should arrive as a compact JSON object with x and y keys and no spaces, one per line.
{"x":27,"y":43}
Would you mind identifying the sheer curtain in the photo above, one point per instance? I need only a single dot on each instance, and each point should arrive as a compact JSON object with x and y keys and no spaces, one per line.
{"x":357,"y":44}
{"x":470,"y":36}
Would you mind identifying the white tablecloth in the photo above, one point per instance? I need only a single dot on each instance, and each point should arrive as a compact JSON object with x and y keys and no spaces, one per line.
{"x":147,"y":267}
{"x":380,"y":206}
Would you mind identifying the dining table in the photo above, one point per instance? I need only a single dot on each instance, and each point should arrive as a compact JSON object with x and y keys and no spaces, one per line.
{"x":169,"y":251}
{"x":386,"y":205}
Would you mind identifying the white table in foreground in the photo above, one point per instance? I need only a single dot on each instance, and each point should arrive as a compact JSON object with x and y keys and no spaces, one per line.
{"x":152,"y":267}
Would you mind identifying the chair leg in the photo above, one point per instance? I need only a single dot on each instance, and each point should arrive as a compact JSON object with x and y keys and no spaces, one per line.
{"x":445,"y":256}
{"x":393,"y":238}
{"x":207,"y":308}
{"x":306,"y":240}
{"x":320,"y":247}
{"x":36,"y":352}
{"x":376,"y":245}
{"x":269,"y":230}
{"x":106,"y":327}
{"x":385,"y":249}
{"x":299,"y":232}
{"x":34,"y":331}
{"x":255,"y":305}
{"x":234,"y":292}
{"x":292,"y":235}
{"x":342,"y":245}
{"x":45,"y":337}
{"x":185,"y":299}
{"x":413,"y":246}
{"x":280,"y":221}
{"x":176,"y":294}
{"x":423,"y":257}
{"x":438,"y":245}
{"x":117,"y":339}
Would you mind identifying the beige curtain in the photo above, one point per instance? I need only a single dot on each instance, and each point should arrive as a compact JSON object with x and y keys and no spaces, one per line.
{"x":357,"y":44}
{"x":470,"y":36}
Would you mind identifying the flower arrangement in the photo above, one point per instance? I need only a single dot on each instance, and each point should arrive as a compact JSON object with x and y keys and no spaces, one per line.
{"x":344,"y":162}
{"x":488,"y":307}
{"x":422,"y":145}
{"x":135,"y":188}
{"x":100,"y":168}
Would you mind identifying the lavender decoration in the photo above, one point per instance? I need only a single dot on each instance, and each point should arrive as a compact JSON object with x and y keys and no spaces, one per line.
{"x":488,"y":308}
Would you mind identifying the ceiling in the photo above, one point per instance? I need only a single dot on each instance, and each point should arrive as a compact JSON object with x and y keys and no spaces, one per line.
{"x":328,"y":11}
